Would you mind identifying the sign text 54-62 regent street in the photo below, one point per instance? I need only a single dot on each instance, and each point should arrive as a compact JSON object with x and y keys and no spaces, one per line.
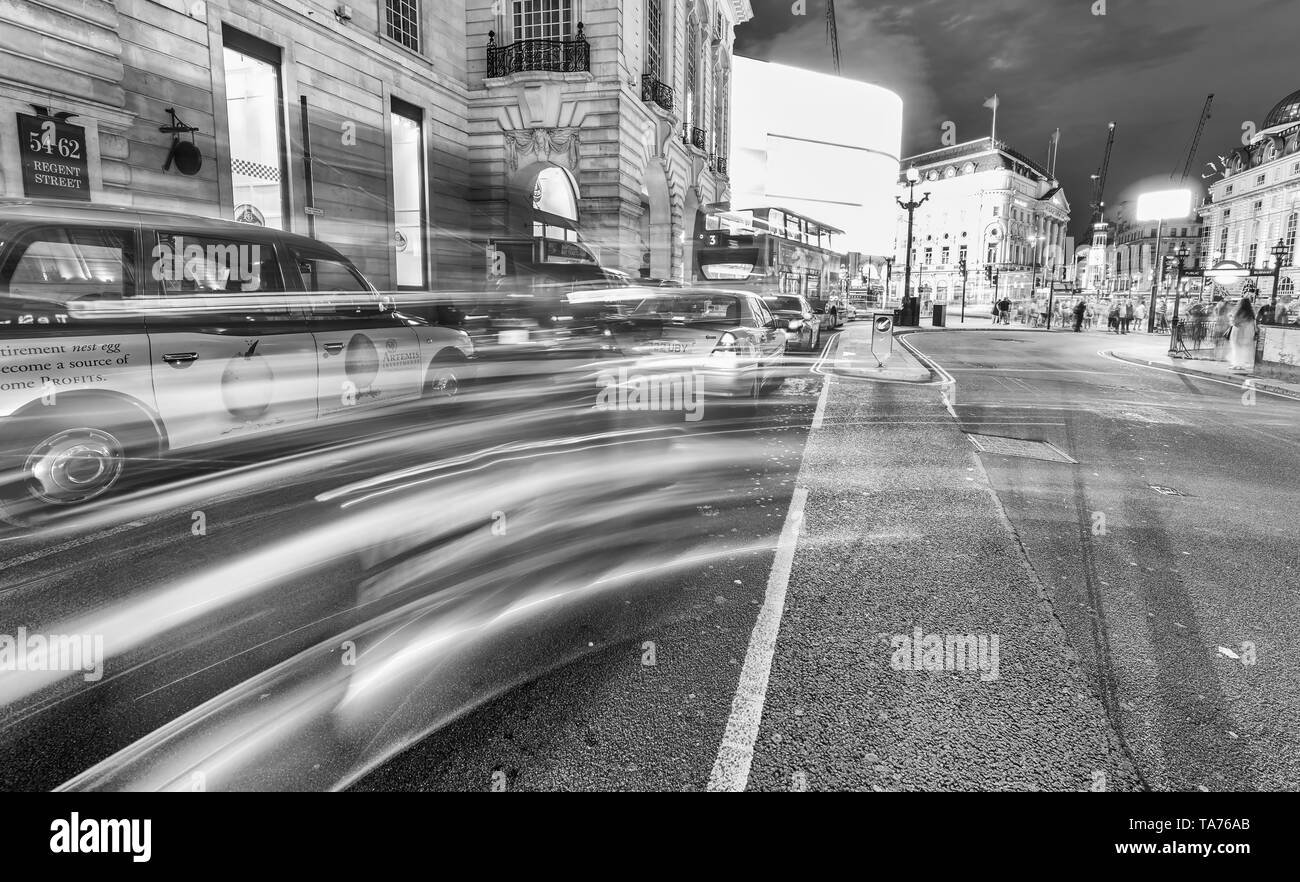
{"x":53,"y":158}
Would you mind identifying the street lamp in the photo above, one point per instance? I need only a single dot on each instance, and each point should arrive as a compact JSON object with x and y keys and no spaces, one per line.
{"x":1182,"y":253}
{"x":1280,"y":253}
{"x":911,"y":305}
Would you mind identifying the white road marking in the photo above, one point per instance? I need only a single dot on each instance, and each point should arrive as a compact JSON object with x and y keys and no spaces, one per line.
{"x":731,"y":768}
{"x":1236,"y":384}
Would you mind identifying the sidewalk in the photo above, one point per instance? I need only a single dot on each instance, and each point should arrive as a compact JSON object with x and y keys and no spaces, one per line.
{"x":1153,"y":350}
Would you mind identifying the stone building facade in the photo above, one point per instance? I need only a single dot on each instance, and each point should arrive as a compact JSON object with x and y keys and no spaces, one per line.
{"x":990,"y":205}
{"x":404,"y":132}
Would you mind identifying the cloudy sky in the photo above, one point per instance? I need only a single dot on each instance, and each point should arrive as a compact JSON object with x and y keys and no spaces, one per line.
{"x":1146,"y":64}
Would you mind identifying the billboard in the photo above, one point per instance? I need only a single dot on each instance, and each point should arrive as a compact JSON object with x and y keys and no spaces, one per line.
{"x":820,"y":145}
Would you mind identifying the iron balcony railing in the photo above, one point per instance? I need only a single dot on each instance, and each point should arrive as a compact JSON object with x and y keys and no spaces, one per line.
{"x":653,"y":91}
{"x":720,"y":165}
{"x":693,"y":135}
{"x":555,"y":56}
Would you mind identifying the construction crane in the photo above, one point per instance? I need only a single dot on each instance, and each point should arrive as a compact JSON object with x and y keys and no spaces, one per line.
{"x":1099,"y":181}
{"x":832,"y":36}
{"x":1196,"y":140}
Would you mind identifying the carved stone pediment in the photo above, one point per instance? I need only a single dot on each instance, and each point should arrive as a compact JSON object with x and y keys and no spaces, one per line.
{"x":543,"y":144}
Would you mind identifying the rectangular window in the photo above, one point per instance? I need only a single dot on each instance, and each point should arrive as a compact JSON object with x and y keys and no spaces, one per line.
{"x":961,"y":254}
{"x":995,"y":211}
{"x":945,"y":255}
{"x":929,"y":256}
{"x":543,"y":19}
{"x":654,"y":41}
{"x":255,"y":114}
{"x":1259,"y":180}
{"x":1252,"y":255}
{"x":1227,"y":191}
{"x":1259,"y":205}
{"x":402,"y":20}
{"x":408,"y":194}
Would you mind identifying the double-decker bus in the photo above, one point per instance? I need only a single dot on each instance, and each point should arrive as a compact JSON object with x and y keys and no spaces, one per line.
{"x":773,"y":251}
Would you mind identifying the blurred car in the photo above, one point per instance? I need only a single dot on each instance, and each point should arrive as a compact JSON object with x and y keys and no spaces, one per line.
{"x":728,"y":340}
{"x":803,"y":326}
{"x":126,"y":334}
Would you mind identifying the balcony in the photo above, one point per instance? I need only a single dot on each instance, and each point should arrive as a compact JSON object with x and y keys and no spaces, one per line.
{"x":552,"y":56}
{"x":655,"y":92}
{"x":694,"y":136}
{"x":720,"y":165}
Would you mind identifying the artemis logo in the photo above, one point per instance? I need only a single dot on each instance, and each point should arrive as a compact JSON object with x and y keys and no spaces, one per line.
{"x":952,"y":652}
{"x":105,"y":836}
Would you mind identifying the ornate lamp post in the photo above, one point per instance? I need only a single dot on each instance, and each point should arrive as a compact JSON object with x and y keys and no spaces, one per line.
{"x":911,"y":304}
{"x":1280,"y":254}
{"x":1182,"y":253}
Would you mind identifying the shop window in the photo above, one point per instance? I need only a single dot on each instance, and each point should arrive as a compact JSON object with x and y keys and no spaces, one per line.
{"x":254,"y":112}
{"x":408,"y":194}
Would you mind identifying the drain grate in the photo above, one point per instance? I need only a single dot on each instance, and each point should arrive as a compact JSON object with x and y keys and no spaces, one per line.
{"x":1019,"y":447}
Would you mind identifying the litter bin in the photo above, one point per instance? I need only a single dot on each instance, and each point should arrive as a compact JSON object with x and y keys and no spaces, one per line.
{"x":940,"y":317}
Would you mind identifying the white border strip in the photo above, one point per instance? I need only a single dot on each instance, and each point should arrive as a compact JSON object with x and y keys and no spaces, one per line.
{"x":731,"y":769}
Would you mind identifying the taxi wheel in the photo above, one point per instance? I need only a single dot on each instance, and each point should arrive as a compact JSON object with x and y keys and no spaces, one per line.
{"x":443,"y":383}
{"x":65,"y":463}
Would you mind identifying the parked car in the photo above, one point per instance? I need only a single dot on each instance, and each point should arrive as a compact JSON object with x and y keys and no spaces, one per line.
{"x":803,"y":326}
{"x":126,"y":334}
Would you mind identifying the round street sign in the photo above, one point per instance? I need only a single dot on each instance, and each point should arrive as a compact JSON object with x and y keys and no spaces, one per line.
{"x":884,"y":323}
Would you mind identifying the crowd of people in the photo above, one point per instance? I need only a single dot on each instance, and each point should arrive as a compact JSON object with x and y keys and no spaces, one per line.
{"x":1231,"y":327}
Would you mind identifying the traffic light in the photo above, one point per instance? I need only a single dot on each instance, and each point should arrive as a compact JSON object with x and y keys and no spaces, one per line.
{"x":961,"y":265}
{"x":988,"y":273}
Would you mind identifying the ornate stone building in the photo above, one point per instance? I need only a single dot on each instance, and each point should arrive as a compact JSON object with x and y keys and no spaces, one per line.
{"x":1255,"y":205}
{"x":405,"y":132}
{"x":601,"y":120}
{"x":994,"y":208}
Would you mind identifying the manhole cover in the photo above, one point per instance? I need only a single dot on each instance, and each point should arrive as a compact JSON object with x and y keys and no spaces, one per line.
{"x":1019,"y":447}
{"x":1166,"y":491}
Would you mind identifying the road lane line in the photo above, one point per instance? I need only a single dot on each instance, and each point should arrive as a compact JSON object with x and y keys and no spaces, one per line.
{"x":731,"y":768}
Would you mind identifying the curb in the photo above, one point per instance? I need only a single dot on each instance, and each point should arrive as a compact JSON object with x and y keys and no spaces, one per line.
{"x":1259,"y":384}
{"x":918,"y":374}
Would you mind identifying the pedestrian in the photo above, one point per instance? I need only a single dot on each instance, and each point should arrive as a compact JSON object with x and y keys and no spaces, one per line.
{"x":1004,"y":310}
{"x":1089,"y":314}
{"x":1241,"y":337}
{"x":1220,"y":326}
{"x":1162,"y":317}
{"x":1140,"y":315}
{"x":1080,"y":309}
{"x":1126,"y":317}
{"x":1265,"y":314}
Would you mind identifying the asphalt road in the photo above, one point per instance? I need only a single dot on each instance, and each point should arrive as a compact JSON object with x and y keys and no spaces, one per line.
{"x":1166,"y":551}
{"x":1113,"y":593}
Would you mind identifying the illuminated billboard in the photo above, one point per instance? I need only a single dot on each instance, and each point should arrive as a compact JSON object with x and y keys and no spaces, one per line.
{"x":820,"y":145}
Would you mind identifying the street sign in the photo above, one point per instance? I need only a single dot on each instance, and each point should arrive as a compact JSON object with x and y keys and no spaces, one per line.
{"x":53,"y":156}
{"x":882,"y":336}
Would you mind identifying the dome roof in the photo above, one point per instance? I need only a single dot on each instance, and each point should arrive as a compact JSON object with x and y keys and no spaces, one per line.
{"x":1286,"y":111}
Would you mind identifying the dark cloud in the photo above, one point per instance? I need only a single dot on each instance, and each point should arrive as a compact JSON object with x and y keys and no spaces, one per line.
{"x":1146,"y":64}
